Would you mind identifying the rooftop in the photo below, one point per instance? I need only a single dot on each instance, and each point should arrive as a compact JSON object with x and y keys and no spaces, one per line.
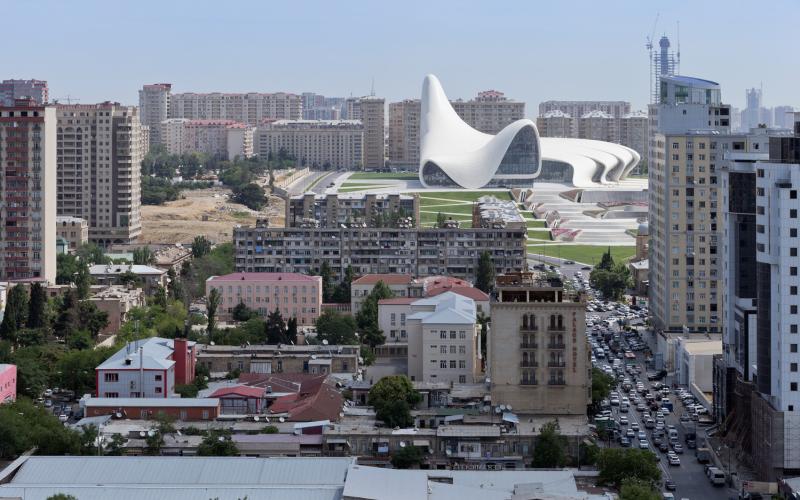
{"x":155,"y":355}
{"x":389,"y":279}
{"x":107,"y":269}
{"x":153,"y":402}
{"x":266,"y":277}
{"x":397,"y":301}
{"x":691,"y":81}
{"x":448,"y":308}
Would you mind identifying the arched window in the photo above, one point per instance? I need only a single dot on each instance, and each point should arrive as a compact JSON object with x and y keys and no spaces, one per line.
{"x":525,"y":358}
{"x":560,"y":339}
{"x":560,"y":321}
{"x":532,"y":321}
{"x":552,"y":320}
{"x":525,"y":321}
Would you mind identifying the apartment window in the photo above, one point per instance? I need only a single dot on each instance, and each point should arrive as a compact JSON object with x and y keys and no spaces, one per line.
{"x":443,"y":364}
{"x":793,"y":387}
{"x":443,"y":349}
{"x":111,"y":395}
{"x":442,"y":334}
{"x":462,"y":349}
{"x":453,"y":334}
{"x":792,"y":328}
{"x":452,"y":349}
{"x":462,"y":363}
{"x":792,"y":290}
{"x":462,"y":334}
{"x":158,"y":390}
{"x":111,"y":377}
{"x":792,"y":309}
{"x":793,"y":194}
{"x":675,"y":145}
{"x":793,"y":213}
{"x":760,"y":172}
{"x":792,"y":347}
{"x":452,"y":364}
{"x":462,"y":379}
{"x":394,"y":319}
{"x":793,"y":367}
{"x":793,"y":252}
{"x":793,"y":232}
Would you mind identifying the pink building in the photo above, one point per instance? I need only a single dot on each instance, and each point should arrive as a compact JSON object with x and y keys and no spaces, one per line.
{"x":8,"y":383}
{"x":295,"y":295}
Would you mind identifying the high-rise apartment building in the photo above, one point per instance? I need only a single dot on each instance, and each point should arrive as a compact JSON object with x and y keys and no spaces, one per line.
{"x":28,"y":191}
{"x":689,"y":132}
{"x":783,"y":117}
{"x":337,"y":210}
{"x":538,"y":359}
{"x":251,"y":108}
{"x":489,"y":112}
{"x":100,"y":153}
{"x":319,"y":107}
{"x":372,"y":113}
{"x":556,"y":123}
{"x":317,"y":144}
{"x":617,"y":109}
{"x":633,"y":132}
{"x":599,"y":126}
{"x":20,"y":89}
{"x":154,"y":101}
{"x":221,"y":139}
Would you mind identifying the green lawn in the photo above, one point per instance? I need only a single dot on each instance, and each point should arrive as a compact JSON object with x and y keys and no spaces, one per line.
{"x":539,"y":234}
{"x":402,"y":176}
{"x":533,"y":223}
{"x":586,"y":254}
{"x":459,"y":208}
{"x":466,"y":196}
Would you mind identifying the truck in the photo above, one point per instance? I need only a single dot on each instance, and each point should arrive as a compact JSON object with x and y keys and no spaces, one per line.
{"x":703,"y":455}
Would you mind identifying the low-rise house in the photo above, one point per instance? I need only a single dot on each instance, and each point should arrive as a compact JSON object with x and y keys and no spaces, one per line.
{"x":271,"y":358}
{"x":298,"y":397}
{"x":74,"y":230}
{"x":407,"y":286}
{"x":294,"y":295}
{"x":148,"y":368}
{"x":117,"y":274}
{"x":117,"y":301}
{"x":241,"y":400}
{"x":184,"y":409}
{"x":399,"y":284}
{"x":8,"y":383}
{"x":171,"y":257}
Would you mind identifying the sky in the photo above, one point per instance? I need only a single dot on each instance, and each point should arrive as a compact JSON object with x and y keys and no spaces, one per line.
{"x":533,"y":50}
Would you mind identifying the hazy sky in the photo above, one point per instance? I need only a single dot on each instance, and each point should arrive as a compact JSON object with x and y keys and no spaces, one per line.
{"x":532,"y":50}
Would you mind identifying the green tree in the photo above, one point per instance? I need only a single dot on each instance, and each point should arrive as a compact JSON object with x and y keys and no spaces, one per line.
{"x":83,"y":280}
{"x":328,"y":287}
{"x":484,"y":320}
{"x":484,"y":276}
{"x":393,"y":397}
{"x":367,"y":316}
{"x":66,"y":268}
{"x":441,"y":220}
{"x":143,"y":256}
{"x":407,"y":457}
{"x":214,"y":299}
{"x":550,"y":447}
{"x":250,"y":195}
{"x":218,"y":443}
{"x":606,"y":261}
{"x":275,"y":328}
{"x":61,"y":496}
{"x":243,"y":313}
{"x":36,"y":307}
{"x":613,"y":282}
{"x":200,"y":247}
{"x":23,"y":426}
{"x":601,"y":386}
{"x":92,"y":254}
{"x":635,"y":489}
{"x":16,"y":313}
{"x":160,"y":297}
{"x":618,"y":464}
{"x":291,"y":330}
{"x":75,"y":369}
{"x":336,"y":328}
{"x":342,"y":293}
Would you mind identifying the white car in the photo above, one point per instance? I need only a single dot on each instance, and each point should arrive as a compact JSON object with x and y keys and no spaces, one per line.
{"x":63,"y":418}
{"x":643,"y":444}
{"x":674,"y":460}
{"x":623,"y":420}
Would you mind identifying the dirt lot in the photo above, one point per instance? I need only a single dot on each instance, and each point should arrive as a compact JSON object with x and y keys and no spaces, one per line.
{"x":202,"y":212}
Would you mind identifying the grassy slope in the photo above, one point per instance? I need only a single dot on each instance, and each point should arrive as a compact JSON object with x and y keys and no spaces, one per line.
{"x":587,"y":254}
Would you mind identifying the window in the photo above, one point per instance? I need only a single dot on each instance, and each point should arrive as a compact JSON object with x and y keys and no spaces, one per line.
{"x":443,"y":364}
{"x":793,"y":252}
{"x":462,"y":363}
{"x":792,"y":347}
{"x":793,"y":213}
{"x":462,"y":379}
{"x":792,"y":309}
{"x":158,"y":378}
{"x":452,"y":364}
{"x":394,"y":319}
{"x":205,"y":414}
{"x":793,"y":387}
{"x":452,"y":349}
{"x":443,"y":349}
{"x":111,"y":377}
{"x":158,"y":390}
{"x":793,"y":194}
{"x":462,"y":334}
{"x":442,"y":334}
{"x":793,"y":367}
{"x":452,"y":334}
{"x":462,"y":349}
{"x":792,"y":290}
{"x":111,"y":395}
{"x":792,"y":328}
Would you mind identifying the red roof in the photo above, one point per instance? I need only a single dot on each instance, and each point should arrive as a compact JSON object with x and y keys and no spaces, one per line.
{"x":311,"y":398}
{"x":266,"y":277}
{"x":437,"y":281}
{"x":398,"y":301}
{"x":239,"y":390}
{"x":466,"y":291}
{"x":389,"y":279}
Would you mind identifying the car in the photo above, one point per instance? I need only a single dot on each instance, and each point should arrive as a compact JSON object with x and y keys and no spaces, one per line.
{"x":641,"y":407}
{"x":48,"y":403}
{"x":630,"y":434}
{"x":643,"y":444}
{"x":685,"y":418}
{"x":670,"y":485}
{"x":63,"y":418}
{"x":641,"y":435}
{"x":48,"y":393}
{"x":635,"y":426}
{"x":663,"y":447}
{"x":624,"y":442}
{"x":677,"y":448}
{"x":691,"y":444}
{"x":674,"y":460}
{"x":586,"y":268}
{"x":623,"y":421}
{"x":569,"y":262}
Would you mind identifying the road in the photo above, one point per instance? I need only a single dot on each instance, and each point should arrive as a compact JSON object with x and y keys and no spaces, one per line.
{"x":690,"y":476}
{"x":318,"y":181}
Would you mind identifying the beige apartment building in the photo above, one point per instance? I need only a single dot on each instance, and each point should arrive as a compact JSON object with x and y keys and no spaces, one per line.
{"x":28,"y":187}
{"x":100,"y":153}
{"x":371,"y":111}
{"x":251,"y":108}
{"x":154,"y":108}
{"x":599,"y":126}
{"x":490,"y":111}
{"x":317,"y":144}
{"x":222,"y":139}
{"x":556,"y":123}
{"x":538,"y":359}
{"x":74,"y":230}
{"x":633,"y":132}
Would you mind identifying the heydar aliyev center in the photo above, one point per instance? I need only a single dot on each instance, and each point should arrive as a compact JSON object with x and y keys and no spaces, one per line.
{"x":453,"y":154}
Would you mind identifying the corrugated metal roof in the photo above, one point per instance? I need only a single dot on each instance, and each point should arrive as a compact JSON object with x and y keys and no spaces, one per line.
{"x":103,"y":492}
{"x":177,"y":471}
{"x":154,"y":402}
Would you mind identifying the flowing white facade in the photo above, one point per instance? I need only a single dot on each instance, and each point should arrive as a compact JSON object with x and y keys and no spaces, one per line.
{"x":453,"y":154}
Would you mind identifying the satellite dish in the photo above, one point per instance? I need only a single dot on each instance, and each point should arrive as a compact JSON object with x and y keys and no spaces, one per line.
{"x":212,"y":343}
{"x":313,"y":356}
{"x":255,"y":419}
{"x":142,"y":434}
{"x":498,"y":410}
{"x":341,"y":414}
{"x":281,"y":420}
{"x":324,"y":342}
{"x":118,"y":415}
{"x":509,"y":408}
{"x":402,"y":444}
{"x":151,"y":433}
{"x":502,"y":407}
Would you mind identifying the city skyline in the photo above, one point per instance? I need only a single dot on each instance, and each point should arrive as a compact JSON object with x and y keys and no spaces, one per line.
{"x":504,"y":45}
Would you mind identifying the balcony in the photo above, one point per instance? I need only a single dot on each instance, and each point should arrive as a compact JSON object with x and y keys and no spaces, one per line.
{"x":528,"y":364}
{"x":529,"y":328}
{"x":556,"y":345}
{"x":529,"y":345}
{"x":556,"y":382}
{"x":556,"y":364}
{"x":557,"y":328}
{"x":528,"y":382}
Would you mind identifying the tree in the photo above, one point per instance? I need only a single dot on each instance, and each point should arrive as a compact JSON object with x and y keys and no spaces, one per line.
{"x":75,"y":368}
{"x":601,"y":386}
{"x":36,"y":306}
{"x":16,"y":313}
{"x":327,"y":282}
{"x":250,"y":195}
{"x":606,"y":261}
{"x":618,"y":464}
{"x":214,"y":299}
{"x":83,"y":280}
{"x":66,"y":268}
{"x":61,"y":496}
{"x":200,"y":247}
{"x":393,"y":397}
{"x":92,"y":254}
{"x":291,"y":330}
{"x":129,"y":278}
{"x":635,"y":489}
{"x":143,"y":256}
{"x":484,"y":321}
{"x":160,"y":297}
{"x":336,"y":328}
{"x":550,"y":447}
{"x":342,"y":293}
{"x":218,"y":443}
{"x":441,"y":220}
{"x":484,"y":276}
{"x":23,"y":426}
{"x":275,"y":328}
{"x":367,"y":316}
{"x":243,"y":313}
{"x":613,"y":282}
{"x":407,"y":457}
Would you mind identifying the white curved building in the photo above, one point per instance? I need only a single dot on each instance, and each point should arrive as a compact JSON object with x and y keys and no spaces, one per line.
{"x":454,"y":154}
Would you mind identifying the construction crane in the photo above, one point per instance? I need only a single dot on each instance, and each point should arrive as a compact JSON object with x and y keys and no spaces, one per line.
{"x":68,"y":98}
{"x":649,"y":47}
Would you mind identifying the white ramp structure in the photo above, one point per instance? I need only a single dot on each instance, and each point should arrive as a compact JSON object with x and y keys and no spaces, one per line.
{"x":453,"y":154}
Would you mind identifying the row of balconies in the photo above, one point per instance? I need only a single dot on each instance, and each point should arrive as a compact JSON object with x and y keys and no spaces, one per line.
{"x":549,"y":382}
{"x":535,"y":328}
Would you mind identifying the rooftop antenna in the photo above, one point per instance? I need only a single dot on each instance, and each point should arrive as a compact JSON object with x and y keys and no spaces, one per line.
{"x":649,"y":47}
{"x":678,"y":59}
{"x":372,"y":88}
